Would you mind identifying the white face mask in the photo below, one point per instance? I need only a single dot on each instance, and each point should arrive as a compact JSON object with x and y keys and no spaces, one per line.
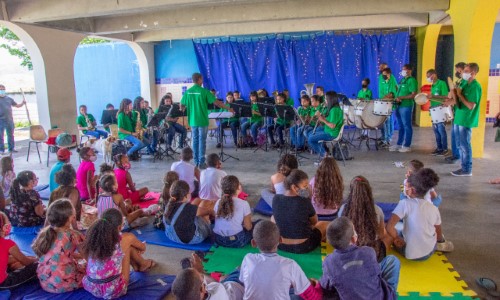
{"x":429,"y":80}
{"x":404,"y":73}
{"x":466,"y":76}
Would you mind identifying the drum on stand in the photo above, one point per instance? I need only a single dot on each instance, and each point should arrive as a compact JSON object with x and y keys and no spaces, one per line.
{"x":440,"y":114}
{"x":382,"y":108}
{"x":365,"y":118}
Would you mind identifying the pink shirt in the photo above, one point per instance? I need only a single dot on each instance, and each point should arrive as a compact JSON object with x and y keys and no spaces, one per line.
{"x":121,"y":179}
{"x":5,"y":246}
{"x":81,"y":179}
{"x":319,"y":208}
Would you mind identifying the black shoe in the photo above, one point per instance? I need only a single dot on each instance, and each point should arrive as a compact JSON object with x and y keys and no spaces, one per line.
{"x":451,"y":160}
{"x":218,"y":145}
{"x":435,"y":152}
{"x":443,"y":153}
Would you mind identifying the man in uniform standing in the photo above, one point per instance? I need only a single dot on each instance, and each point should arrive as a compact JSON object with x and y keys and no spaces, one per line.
{"x":6,"y":119}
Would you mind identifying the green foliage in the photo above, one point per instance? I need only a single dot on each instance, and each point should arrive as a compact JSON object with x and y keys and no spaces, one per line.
{"x":91,"y":40}
{"x":11,"y":43}
{"x":21,"y":124}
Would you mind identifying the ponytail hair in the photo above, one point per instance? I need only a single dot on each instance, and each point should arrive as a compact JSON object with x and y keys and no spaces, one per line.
{"x":107,"y":182}
{"x":103,"y":230}
{"x":83,"y":152}
{"x":178,"y":191}
{"x":58,"y":215}
{"x":22,"y":180}
{"x":230,"y":185}
{"x":168,"y":180}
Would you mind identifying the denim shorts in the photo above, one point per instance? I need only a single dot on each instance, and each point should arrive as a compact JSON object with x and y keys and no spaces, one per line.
{"x":239,"y":240}
{"x":202,"y":231}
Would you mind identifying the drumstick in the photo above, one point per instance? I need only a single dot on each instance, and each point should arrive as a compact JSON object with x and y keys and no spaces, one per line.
{"x":26,"y":107}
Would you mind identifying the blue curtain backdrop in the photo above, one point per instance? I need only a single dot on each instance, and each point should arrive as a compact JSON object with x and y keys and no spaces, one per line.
{"x":337,"y":62}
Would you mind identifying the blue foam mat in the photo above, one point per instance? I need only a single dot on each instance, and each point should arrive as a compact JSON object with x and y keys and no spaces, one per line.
{"x":23,"y":241}
{"x":387,"y":208}
{"x":33,"y":230}
{"x":264,"y":209}
{"x":5,"y":295}
{"x":153,"y":236}
{"x":141,"y":285}
{"x":40,"y":187}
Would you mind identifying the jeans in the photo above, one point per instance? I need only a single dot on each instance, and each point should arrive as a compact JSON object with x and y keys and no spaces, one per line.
{"x":199,"y":144}
{"x":234,"y":130}
{"x":404,"y":116}
{"x":239,"y":240}
{"x":7,"y":125}
{"x":137,"y":144}
{"x":454,"y":143}
{"x":390,"y":267}
{"x":387,"y":130}
{"x":279,"y":129}
{"x":441,"y":136}
{"x":254,"y":129}
{"x":309,"y":130}
{"x":234,"y":276}
{"x":172,"y":129}
{"x":97,"y":133}
{"x":463,"y":136}
{"x":153,"y":138}
{"x":297,"y":137}
{"x":314,"y":144}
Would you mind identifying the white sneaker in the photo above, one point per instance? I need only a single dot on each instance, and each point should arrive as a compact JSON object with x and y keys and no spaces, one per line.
{"x":404,"y":149}
{"x":151,"y":210}
{"x":394,"y":148}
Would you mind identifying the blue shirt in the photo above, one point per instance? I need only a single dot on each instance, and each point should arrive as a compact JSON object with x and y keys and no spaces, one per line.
{"x":355,"y":274}
{"x":52,"y":177}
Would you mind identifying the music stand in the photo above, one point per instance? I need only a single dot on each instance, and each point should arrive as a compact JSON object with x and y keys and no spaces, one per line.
{"x":266,"y":110}
{"x":109,"y":116}
{"x":219,"y":116}
{"x":287,"y":113}
{"x":164,"y":108}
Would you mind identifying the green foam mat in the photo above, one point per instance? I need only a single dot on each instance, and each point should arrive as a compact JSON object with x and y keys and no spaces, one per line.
{"x":225,"y":260}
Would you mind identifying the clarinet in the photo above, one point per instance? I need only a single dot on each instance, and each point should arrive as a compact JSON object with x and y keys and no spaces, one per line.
{"x":317,"y":120}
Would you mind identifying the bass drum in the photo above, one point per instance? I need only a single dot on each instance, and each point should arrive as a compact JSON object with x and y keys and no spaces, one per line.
{"x":350,"y":113}
{"x":365,"y":118}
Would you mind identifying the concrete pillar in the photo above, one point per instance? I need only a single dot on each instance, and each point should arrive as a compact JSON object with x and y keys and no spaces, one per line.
{"x":146,"y":59}
{"x":52,"y":53}
{"x":473,"y":25}
{"x":427,"y":38}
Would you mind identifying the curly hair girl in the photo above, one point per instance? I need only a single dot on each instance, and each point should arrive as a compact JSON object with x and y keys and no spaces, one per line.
{"x":230,"y":186}
{"x":101,"y":230}
{"x":287,"y":163}
{"x":328,"y":186}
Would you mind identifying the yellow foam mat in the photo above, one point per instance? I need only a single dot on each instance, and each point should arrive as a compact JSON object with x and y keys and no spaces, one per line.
{"x":433,"y":276}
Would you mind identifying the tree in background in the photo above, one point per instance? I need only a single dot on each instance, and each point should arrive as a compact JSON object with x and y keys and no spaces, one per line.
{"x":11,"y":42}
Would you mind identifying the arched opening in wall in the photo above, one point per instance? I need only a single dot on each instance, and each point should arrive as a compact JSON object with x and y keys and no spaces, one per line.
{"x":445,"y":53}
{"x":105,"y":72}
{"x":19,"y":59}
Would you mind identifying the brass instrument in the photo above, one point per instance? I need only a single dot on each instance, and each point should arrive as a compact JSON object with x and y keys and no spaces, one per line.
{"x":317,"y":118}
{"x":138,"y":126}
{"x":90,"y":126}
{"x":309,"y":89}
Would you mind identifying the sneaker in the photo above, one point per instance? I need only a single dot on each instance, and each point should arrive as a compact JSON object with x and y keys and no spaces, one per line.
{"x":218,"y":145}
{"x":404,"y":149}
{"x":317,"y":162}
{"x":461,"y":173}
{"x":443,"y":152}
{"x":394,"y":148}
{"x":202,"y":166}
{"x":15,"y":151}
{"x":451,"y":159}
{"x":445,"y":246}
{"x":435,"y":152}
{"x":384,"y":145}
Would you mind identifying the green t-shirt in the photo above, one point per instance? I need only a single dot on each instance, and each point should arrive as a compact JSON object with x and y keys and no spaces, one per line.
{"x":281,"y":121}
{"x":385,"y":88}
{"x":407,"y":86}
{"x":365,"y":94}
{"x":312,"y":112}
{"x":80,"y":120}
{"x":196,"y":100}
{"x":303,"y":111}
{"x":290,"y":102}
{"x":439,"y":88}
{"x":127,"y":123}
{"x":255,"y":118}
{"x":469,"y":117}
{"x":144,"y":117}
{"x":336,"y":116}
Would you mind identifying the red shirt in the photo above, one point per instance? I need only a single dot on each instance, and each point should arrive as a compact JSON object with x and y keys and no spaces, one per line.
{"x":5,"y":246}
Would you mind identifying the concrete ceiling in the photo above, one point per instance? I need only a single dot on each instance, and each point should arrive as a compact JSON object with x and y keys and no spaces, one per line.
{"x":156,"y":20}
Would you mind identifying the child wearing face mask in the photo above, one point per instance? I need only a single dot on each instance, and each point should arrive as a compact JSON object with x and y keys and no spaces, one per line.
{"x":126,"y":186}
{"x":185,"y":223}
{"x":365,"y":93}
{"x":295,"y":216}
{"x":85,"y":178}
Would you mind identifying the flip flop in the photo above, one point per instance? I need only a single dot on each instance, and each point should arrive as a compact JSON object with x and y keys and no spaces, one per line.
{"x":489,"y":285}
{"x":495,"y":181}
{"x":152,"y":264}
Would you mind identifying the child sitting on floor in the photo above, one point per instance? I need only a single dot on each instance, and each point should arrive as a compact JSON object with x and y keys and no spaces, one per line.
{"x":210,"y":181}
{"x":233,"y":216}
{"x":187,"y":171}
{"x":366,"y":216}
{"x":26,"y":207}
{"x":412,"y":167}
{"x":421,"y":219}
{"x":286,"y":164}
{"x":109,"y":198}
{"x":267,"y":275}
{"x":56,"y":246}
{"x":126,"y":186}
{"x":63,"y":157}
{"x":104,"y":169}
{"x":65,"y":179}
{"x":184,"y":222}
{"x":108,"y":267}
{"x":7,"y":174}
{"x":327,"y":188}
{"x":15,"y":267}
{"x":169,"y":178}
{"x":85,"y":179}
{"x":352,"y":271}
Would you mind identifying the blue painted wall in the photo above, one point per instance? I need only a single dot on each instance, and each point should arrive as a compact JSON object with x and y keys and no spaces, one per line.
{"x":175,"y":61}
{"x":105,"y":73}
{"x":495,"y":48}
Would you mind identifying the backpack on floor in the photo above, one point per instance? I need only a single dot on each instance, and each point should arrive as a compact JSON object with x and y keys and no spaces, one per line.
{"x":337,"y":154}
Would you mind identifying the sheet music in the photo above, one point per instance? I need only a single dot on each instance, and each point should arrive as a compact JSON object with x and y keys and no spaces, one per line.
{"x":220,"y":115}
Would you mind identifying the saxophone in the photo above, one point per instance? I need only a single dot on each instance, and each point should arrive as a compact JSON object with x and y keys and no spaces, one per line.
{"x":90,"y":127}
{"x":138,"y":126}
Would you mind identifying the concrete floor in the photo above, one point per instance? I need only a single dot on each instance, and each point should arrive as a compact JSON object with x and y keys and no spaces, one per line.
{"x":469,"y":211}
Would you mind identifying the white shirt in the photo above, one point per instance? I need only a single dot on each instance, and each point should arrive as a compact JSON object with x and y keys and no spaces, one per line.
{"x":228,"y":227}
{"x":280,"y":188}
{"x":210,"y":183}
{"x":185,"y":171}
{"x":419,"y":218}
{"x":225,"y":291}
{"x":270,"y":276}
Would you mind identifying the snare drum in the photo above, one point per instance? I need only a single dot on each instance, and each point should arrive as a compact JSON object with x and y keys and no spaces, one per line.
{"x":440,"y":114}
{"x":382,"y":108}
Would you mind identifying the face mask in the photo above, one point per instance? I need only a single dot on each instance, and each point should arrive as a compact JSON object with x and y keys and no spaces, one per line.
{"x":429,"y":80}
{"x":385,"y":77}
{"x":364,"y":86}
{"x":2,"y":93}
{"x":304,"y":193}
{"x":457,"y":74}
{"x":466,"y":76}
{"x":93,"y":158}
{"x":403,"y":73}
{"x":126,"y":166}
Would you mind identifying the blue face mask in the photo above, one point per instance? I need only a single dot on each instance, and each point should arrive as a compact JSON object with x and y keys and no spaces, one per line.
{"x":2,"y":93}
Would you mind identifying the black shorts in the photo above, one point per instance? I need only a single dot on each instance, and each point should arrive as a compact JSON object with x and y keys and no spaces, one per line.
{"x":309,"y":245}
{"x":18,"y":277}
